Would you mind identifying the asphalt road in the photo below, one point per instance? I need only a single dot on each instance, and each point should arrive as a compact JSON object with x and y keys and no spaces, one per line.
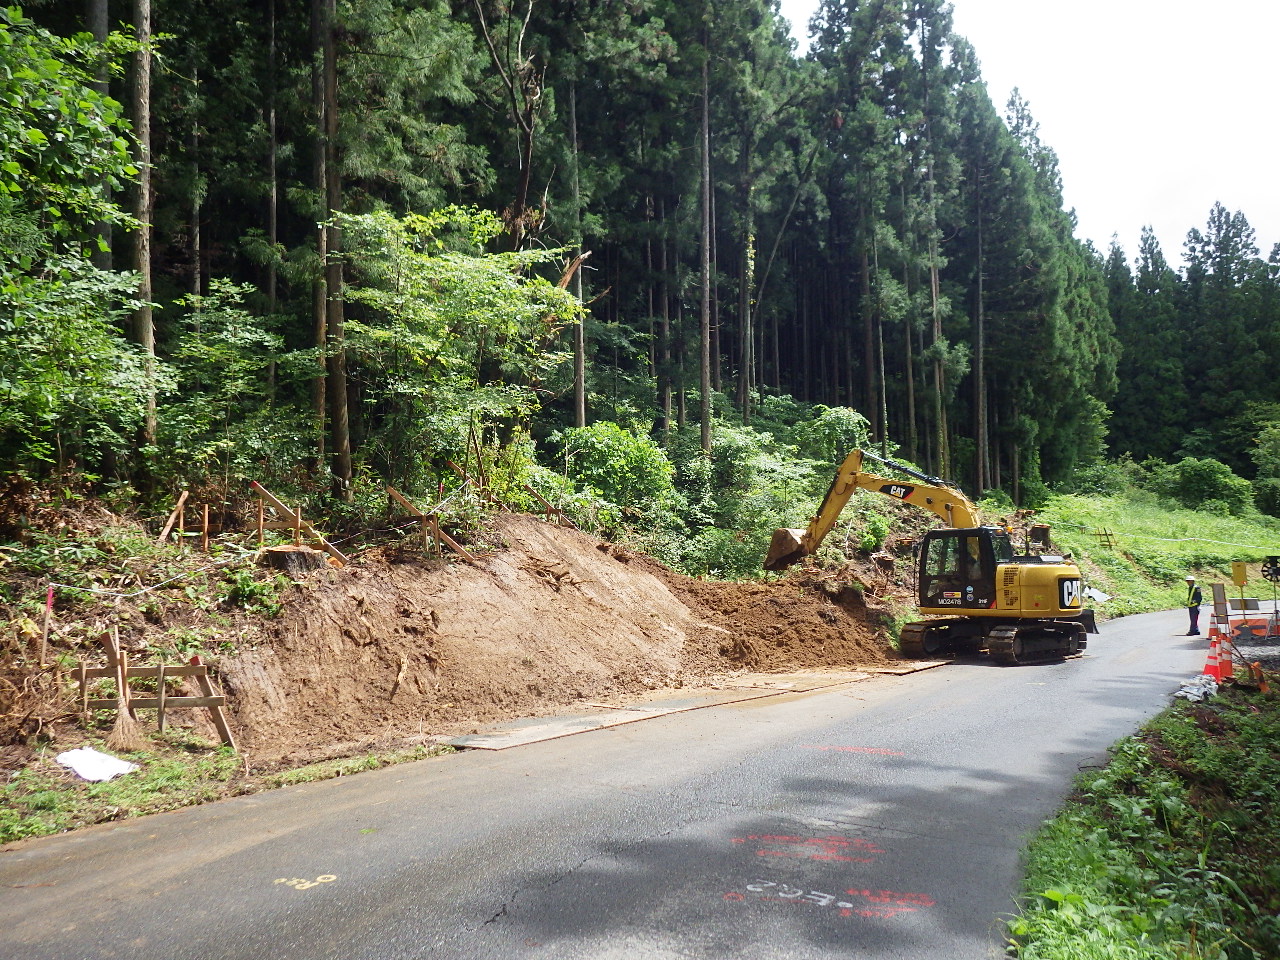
{"x":881,"y":819}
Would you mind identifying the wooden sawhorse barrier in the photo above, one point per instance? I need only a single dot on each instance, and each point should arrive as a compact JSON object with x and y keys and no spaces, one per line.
{"x":119,"y":670}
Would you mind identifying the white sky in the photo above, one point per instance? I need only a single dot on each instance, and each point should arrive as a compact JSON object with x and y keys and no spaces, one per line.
{"x":1156,"y":108}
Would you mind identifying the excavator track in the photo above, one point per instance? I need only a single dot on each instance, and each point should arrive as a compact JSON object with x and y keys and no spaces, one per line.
{"x":924,"y":639}
{"x":1012,"y":644}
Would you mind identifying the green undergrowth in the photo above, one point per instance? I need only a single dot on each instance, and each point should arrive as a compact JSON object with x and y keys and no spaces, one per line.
{"x":1171,"y":851}
{"x":175,"y":770}
{"x":1153,"y":546}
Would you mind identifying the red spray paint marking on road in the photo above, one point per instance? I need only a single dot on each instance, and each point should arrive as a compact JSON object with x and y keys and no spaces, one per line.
{"x":840,"y":849}
{"x":879,"y":904}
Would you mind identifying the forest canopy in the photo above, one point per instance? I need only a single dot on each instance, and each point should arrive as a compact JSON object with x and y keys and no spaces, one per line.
{"x":341,"y":242}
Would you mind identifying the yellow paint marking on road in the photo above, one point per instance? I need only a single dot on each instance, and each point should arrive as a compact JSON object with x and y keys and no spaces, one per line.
{"x":299,"y":884}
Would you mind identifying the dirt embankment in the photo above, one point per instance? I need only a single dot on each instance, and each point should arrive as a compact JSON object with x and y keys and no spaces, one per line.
{"x":395,"y":647}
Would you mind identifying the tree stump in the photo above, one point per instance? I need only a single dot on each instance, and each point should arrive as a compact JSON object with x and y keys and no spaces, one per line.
{"x":293,"y":560}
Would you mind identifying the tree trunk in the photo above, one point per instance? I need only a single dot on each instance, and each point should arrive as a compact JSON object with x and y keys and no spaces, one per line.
{"x":746,"y":324}
{"x":144,"y":331}
{"x":868,"y":336}
{"x":319,"y":291}
{"x":579,"y":338}
{"x":939,"y":369}
{"x":273,"y":164}
{"x":664,"y":297}
{"x":909,"y":378}
{"x":273,"y":185}
{"x":717,"y":350}
{"x":981,"y":467}
{"x":100,"y":26}
{"x":193,"y":141}
{"x":882,"y":404}
{"x":338,"y":412}
{"x":705,"y":325}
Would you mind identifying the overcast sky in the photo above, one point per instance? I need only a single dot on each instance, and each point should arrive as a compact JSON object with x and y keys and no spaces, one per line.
{"x":1156,"y":108}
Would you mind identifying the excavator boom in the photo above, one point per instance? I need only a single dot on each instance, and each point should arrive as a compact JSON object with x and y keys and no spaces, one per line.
{"x":929,"y":493}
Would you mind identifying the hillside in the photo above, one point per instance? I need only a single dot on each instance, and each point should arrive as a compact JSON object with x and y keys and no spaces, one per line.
{"x":396,"y":647}
{"x":399,"y":648}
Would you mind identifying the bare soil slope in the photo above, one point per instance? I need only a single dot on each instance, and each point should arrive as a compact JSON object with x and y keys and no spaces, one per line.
{"x":394,"y":647}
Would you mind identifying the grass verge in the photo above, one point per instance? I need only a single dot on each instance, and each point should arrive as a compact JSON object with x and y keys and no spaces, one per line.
{"x":1171,"y":851}
{"x":175,"y":771}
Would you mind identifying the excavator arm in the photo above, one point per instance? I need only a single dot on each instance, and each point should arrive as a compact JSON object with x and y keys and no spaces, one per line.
{"x":928,"y":493}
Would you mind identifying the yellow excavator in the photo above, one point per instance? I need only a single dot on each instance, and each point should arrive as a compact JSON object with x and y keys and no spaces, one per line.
{"x":976,"y":591}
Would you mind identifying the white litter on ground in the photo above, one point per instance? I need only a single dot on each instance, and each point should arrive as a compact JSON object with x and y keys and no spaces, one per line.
{"x":1198,"y":688}
{"x":91,"y":764}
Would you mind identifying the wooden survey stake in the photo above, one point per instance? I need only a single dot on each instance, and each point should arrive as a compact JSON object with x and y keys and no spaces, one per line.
{"x":297,"y":524}
{"x":431,"y":521}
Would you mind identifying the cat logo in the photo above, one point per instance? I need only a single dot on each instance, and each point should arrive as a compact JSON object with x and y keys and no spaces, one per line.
{"x":1069,"y":592}
{"x":899,"y":490}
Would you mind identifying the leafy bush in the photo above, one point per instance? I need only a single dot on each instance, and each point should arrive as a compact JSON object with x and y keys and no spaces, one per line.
{"x":831,"y":434}
{"x":1106,"y":477}
{"x":1266,"y":452}
{"x":447,"y":338}
{"x":1163,"y":853}
{"x":1194,"y":483}
{"x":726,"y":554}
{"x":248,"y":591}
{"x":218,"y":420}
{"x":623,"y":467}
{"x":72,"y":386}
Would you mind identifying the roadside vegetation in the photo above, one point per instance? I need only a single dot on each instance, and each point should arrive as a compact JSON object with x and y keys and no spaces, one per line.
{"x":1172,"y":850}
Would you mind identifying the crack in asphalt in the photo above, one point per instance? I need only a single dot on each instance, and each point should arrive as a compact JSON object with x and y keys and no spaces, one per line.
{"x":510,"y":901}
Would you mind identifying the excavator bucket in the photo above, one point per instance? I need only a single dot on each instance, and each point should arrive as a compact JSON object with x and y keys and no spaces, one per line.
{"x":785,"y":548}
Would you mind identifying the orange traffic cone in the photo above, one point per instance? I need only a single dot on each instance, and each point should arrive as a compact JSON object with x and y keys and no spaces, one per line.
{"x":1226,"y":660}
{"x":1212,"y":668}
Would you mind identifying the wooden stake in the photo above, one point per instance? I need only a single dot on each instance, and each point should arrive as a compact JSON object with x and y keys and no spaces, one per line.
{"x":219,"y":721}
{"x":48,"y":616}
{"x":168,"y":527}
{"x":160,"y":693}
{"x":261,"y":540}
{"x":297,"y":527}
{"x":204,"y":529}
{"x":449,"y":541}
{"x":284,"y":511}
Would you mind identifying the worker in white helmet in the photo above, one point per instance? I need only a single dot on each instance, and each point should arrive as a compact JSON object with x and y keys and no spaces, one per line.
{"x":1194,"y":599}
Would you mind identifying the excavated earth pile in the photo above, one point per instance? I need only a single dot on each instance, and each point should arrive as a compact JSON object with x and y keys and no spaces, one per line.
{"x":399,"y":647}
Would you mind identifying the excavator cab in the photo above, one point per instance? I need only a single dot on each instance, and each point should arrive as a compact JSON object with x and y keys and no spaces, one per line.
{"x":958,"y":567}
